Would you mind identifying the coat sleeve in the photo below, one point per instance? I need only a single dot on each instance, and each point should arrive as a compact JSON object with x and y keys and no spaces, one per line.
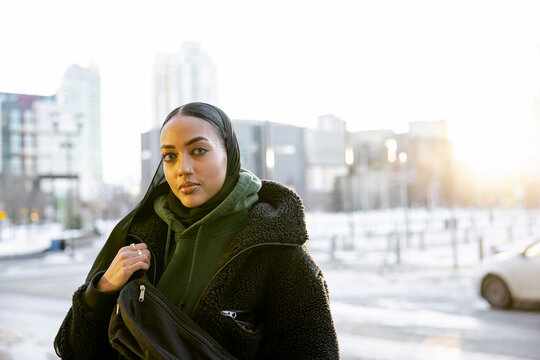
{"x":83,"y":333}
{"x":299,"y":323}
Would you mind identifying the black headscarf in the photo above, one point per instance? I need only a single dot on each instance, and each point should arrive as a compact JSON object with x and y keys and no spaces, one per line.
{"x":222,"y":123}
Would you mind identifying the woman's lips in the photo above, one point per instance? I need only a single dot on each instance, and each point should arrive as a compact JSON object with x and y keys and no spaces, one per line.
{"x":188,"y":188}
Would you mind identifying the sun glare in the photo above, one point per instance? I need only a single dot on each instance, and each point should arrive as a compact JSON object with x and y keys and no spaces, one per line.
{"x":496,"y":155}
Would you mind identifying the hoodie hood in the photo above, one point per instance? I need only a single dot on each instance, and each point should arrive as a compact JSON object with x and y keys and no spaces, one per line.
{"x":239,"y":201}
{"x":277,"y":217}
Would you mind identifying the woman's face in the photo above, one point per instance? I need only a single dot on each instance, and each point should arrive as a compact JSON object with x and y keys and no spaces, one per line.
{"x":194,"y":159}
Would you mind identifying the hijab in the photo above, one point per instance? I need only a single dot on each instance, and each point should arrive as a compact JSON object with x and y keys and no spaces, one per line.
{"x":217,"y":118}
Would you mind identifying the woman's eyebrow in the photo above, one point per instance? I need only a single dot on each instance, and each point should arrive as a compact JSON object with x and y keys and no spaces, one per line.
{"x":192,"y":141}
{"x":195,"y":139}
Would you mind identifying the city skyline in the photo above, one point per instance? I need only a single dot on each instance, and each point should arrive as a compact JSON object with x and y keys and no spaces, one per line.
{"x":376,"y":65}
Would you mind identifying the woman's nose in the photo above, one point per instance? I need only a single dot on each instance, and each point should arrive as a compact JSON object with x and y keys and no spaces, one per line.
{"x":185,"y":166}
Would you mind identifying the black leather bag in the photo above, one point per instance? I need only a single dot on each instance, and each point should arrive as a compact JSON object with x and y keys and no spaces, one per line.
{"x":146,"y":325}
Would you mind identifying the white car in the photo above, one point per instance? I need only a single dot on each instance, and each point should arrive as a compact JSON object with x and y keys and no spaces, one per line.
{"x":511,"y":276}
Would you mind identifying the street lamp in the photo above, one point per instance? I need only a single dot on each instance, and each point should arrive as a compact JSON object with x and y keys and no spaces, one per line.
{"x":349,"y":161}
{"x":349,"y":156}
{"x":403,"y":157}
{"x":403,"y":193}
{"x":270,"y":162}
{"x":68,"y":145}
{"x":270,"y":159}
{"x":391,"y":149}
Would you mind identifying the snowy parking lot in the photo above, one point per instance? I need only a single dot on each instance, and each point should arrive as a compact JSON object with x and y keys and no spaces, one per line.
{"x":424,"y":307}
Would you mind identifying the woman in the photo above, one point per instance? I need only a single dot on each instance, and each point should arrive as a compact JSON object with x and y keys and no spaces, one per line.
{"x":224,"y":246}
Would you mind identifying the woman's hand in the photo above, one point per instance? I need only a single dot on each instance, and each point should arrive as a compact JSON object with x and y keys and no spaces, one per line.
{"x":128,"y":260}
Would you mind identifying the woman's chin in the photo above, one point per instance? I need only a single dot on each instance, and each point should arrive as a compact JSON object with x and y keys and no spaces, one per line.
{"x":191,"y":201}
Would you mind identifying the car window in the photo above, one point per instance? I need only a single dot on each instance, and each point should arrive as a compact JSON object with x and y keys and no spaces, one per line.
{"x":533,"y":250}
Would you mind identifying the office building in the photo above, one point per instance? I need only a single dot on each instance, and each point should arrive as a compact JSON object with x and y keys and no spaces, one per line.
{"x":19,"y":133}
{"x":80,"y":96}
{"x":324,"y":149}
{"x":182,"y":77}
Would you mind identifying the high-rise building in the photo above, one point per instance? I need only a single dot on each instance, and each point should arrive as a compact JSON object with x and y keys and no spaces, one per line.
{"x":150,"y":156}
{"x":19,"y":162}
{"x":18,"y":141}
{"x":324,"y":149}
{"x":182,"y":77}
{"x":430,"y":150}
{"x":272,"y":151}
{"x":80,"y":92}
{"x":59,"y":142}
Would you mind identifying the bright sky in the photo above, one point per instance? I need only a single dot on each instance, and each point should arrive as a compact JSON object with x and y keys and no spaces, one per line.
{"x":377,"y":64}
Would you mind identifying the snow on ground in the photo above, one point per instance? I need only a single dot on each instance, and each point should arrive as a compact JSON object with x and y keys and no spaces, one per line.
{"x":383,"y":349}
{"x":24,"y":240}
{"x":378,"y":238}
{"x":33,"y":239}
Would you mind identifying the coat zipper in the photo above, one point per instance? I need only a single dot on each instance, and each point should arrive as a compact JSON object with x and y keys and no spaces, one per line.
{"x":233,"y":258}
{"x":231,"y":314}
{"x":141,"y":294}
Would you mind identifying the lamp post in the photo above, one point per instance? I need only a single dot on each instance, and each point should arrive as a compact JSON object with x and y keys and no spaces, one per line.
{"x":269,"y":154}
{"x":391,"y":150}
{"x":270,"y":162}
{"x":349,"y":161}
{"x":68,"y":145}
{"x":403,"y":193}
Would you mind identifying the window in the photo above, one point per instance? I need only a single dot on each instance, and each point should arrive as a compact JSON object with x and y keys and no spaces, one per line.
{"x":28,"y":117}
{"x":15,"y":165}
{"x":15,"y":119}
{"x":29,"y":166}
{"x":15,"y":143}
{"x":30,"y":144}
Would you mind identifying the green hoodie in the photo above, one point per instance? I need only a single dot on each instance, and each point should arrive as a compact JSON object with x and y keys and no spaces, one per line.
{"x":204,"y":247}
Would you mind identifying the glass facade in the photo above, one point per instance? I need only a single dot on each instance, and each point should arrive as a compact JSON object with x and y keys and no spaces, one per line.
{"x":18,"y":133}
{"x":15,"y":143}
{"x":15,"y":119}
{"x":15,"y":165}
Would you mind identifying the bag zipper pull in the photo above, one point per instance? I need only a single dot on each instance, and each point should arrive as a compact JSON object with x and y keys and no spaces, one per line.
{"x":117,"y":308}
{"x":141,"y":295}
{"x":228,"y":313}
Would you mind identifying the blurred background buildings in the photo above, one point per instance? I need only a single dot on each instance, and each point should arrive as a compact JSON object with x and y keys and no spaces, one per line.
{"x":51,"y":170}
{"x":181,"y":77}
{"x":51,"y":152}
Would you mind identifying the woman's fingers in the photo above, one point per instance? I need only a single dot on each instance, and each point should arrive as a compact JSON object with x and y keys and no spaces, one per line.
{"x":128,"y":260}
{"x":140,"y":265}
{"x":135,"y":247}
{"x":138,"y":251}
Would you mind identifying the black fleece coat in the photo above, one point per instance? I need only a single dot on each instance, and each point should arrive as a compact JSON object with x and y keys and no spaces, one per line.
{"x":270,"y":281}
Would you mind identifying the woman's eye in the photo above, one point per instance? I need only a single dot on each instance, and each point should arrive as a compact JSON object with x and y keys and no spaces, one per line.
{"x":168,"y":157}
{"x":199,"y":151}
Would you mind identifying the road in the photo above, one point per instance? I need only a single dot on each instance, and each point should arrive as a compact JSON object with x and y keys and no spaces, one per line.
{"x":398,"y":314}
{"x":426,"y":314}
{"x":35,"y":297}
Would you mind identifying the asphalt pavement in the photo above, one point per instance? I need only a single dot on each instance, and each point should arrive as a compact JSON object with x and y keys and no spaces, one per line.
{"x":401,"y":314}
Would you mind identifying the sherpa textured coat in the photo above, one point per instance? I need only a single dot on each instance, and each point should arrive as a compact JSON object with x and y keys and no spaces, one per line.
{"x":271,"y":282}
